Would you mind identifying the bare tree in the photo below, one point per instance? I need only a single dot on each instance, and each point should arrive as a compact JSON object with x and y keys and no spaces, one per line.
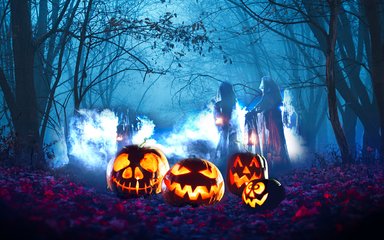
{"x":374,"y":12}
{"x":348,"y":52}
{"x":334,"y":6}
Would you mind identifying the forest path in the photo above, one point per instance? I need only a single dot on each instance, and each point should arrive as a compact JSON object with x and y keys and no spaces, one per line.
{"x":321,"y":203}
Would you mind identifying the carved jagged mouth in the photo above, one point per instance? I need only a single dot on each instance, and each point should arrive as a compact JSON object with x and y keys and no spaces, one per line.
{"x":135,"y":187}
{"x":216,"y":192}
{"x":253,"y":202}
{"x":239,"y":181}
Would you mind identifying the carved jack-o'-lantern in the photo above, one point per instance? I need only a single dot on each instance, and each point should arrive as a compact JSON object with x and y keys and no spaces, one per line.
{"x":137,"y":171}
{"x":193,"y":181}
{"x":243,"y":168}
{"x":263,"y":194}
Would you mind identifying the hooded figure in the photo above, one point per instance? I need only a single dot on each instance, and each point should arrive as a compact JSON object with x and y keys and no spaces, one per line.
{"x":270,"y":131}
{"x":226,"y":124}
{"x":122,"y":131}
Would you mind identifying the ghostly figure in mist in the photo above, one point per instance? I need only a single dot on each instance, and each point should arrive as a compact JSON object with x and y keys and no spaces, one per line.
{"x":128,"y":125}
{"x":122,"y":130}
{"x":226,"y":124}
{"x":266,"y":118}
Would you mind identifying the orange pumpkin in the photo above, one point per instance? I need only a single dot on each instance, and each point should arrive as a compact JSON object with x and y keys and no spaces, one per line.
{"x":263,"y":194}
{"x":244,"y":167}
{"x":193,"y":181}
{"x":137,"y":171}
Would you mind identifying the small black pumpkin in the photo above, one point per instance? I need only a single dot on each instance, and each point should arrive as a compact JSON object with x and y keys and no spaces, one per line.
{"x":263,"y":194}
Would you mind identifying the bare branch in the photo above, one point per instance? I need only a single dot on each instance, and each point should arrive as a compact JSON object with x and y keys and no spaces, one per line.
{"x":54,"y":28}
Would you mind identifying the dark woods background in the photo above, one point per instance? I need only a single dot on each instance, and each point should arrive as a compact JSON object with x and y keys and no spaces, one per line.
{"x":166,"y":59}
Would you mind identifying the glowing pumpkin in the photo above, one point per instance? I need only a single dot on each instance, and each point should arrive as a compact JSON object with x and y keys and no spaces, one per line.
{"x":244,"y":167}
{"x":193,"y":181}
{"x":137,"y":171}
{"x":263,"y":194}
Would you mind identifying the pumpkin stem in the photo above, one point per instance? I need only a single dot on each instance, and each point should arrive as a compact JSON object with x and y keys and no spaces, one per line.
{"x":142,"y":144}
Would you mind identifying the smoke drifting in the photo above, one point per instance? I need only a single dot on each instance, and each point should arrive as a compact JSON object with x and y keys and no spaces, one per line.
{"x":198,"y":136}
{"x":146,"y":130}
{"x":295,"y":143}
{"x":93,"y":137}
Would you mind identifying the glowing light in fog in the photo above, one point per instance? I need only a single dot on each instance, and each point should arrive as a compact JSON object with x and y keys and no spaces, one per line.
{"x":219,"y":121}
{"x":252,"y":139}
{"x":119,"y":137}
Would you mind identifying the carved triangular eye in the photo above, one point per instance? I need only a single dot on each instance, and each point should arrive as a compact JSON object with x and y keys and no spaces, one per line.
{"x":209,"y":173}
{"x":121,"y":162}
{"x":237,"y":162}
{"x":149,"y":162}
{"x":179,"y":170}
{"x":255,"y":162}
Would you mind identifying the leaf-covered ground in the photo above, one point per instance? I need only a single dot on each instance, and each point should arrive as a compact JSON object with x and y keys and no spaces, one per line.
{"x":326,"y":203}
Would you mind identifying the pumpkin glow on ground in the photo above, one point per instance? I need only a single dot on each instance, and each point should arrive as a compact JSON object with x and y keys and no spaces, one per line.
{"x":320,"y":203}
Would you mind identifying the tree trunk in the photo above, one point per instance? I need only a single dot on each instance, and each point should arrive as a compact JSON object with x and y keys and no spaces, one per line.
{"x":25,"y":117}
{"x":78,"y":79}
{"x":351,"y":57}
{"x":41,"y":83}
{"x":331,"y":83}
{"x":349,"y":126}
{"x":372,"y":11}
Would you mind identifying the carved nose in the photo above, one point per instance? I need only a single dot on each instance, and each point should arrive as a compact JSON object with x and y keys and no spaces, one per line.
{"x":138,"y":174}
{"x":246,"y":170}
{"x":127,"y":173}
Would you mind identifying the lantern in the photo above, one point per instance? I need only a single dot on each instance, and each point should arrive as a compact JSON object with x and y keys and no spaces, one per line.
{"x":244,"y":167}
{"x":263,"y":194}
{"x":193,"y":181}
{"x":137,"y":171}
